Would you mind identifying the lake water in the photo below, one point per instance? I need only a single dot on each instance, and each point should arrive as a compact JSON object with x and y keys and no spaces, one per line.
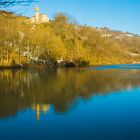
{"x":95,"y":103}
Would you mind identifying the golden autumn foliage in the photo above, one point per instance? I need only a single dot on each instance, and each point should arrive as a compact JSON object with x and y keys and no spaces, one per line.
{"x":22,"y":41}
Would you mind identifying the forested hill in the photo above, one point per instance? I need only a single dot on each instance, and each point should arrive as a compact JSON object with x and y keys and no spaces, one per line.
{"x":24,"y":42}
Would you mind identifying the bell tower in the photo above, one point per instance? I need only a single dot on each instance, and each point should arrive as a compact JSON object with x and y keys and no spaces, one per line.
{"x":36,"y":14}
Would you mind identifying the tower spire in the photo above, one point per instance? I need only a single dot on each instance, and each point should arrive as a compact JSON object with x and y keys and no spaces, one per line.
{"x":36,"y":14}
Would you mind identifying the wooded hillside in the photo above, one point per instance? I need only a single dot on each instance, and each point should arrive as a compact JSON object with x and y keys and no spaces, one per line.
{"x":60,"y":39}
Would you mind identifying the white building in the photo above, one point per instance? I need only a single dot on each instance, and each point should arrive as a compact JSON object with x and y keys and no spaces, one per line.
{"x":39,"y":18}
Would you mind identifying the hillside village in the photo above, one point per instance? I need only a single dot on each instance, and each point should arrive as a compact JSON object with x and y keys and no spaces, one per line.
{"x":38,"y":40}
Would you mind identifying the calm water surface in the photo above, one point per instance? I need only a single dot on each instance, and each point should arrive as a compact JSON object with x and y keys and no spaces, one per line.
{"x":96,"y":103}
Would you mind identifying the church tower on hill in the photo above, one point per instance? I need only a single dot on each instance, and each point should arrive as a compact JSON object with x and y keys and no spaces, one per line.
{"x":36,"y":14}
{"x":39,"y":18}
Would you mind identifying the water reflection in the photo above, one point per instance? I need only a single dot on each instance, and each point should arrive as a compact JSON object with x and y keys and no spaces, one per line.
{"x":38,"y":89}
{"x":40,"y":108}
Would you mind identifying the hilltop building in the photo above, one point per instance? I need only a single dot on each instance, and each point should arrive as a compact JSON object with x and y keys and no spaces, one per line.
{"x":39,"y":18}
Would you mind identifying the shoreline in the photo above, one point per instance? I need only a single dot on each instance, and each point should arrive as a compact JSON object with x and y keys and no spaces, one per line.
{"x":37,"y":66}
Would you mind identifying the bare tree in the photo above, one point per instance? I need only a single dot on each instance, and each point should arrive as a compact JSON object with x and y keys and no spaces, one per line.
{"x":10,"y":3}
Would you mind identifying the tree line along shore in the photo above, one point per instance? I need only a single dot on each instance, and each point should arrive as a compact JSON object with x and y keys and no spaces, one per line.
{"x":62,"y":42}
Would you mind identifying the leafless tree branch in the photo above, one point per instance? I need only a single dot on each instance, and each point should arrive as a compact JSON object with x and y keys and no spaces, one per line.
{"x":11,"y":3}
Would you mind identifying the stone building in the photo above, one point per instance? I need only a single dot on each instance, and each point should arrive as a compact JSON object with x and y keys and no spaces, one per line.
{"x":39,"y":18}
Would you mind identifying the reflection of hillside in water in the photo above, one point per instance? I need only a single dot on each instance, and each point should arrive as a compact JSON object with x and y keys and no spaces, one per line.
{"x":60,"y":88}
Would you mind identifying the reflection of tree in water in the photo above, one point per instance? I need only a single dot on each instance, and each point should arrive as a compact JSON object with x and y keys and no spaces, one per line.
{"x":60,"y":88}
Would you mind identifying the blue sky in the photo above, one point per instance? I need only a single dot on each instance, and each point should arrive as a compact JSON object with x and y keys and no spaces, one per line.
{"x":116,"y":14}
